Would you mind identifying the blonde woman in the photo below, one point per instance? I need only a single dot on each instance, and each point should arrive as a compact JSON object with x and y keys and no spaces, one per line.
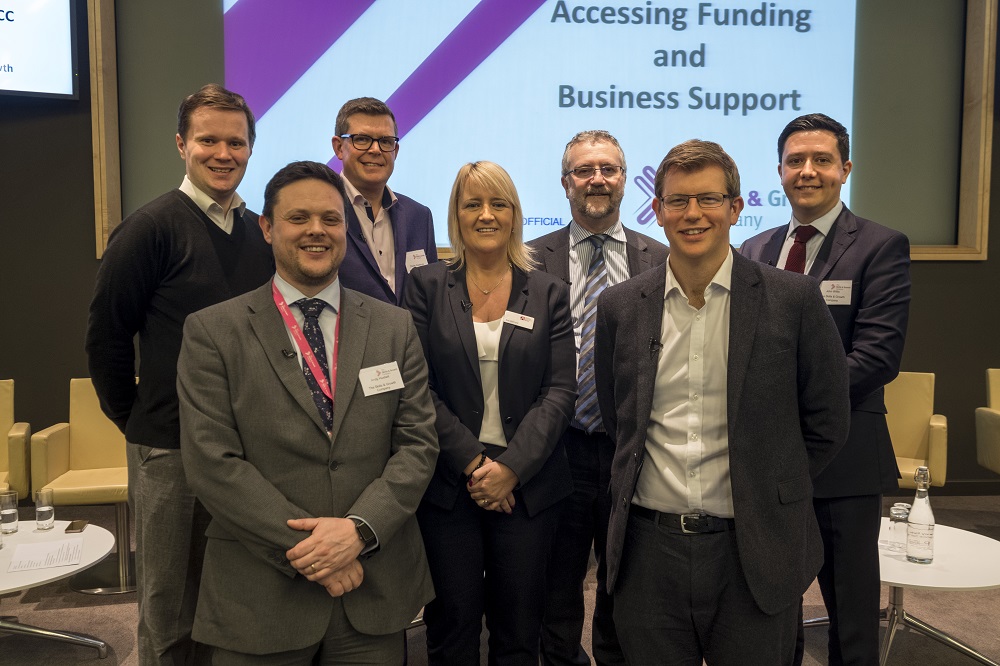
{"x":500,"y":349}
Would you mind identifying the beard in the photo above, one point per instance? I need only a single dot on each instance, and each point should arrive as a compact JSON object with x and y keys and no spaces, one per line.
{"x":600,"y":208}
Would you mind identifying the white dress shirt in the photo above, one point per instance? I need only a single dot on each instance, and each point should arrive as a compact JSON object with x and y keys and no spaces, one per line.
{"x":222,"y":218}
{"x":822,"y":225}
{"x":378,"y":234}
{"x":686,"y":469}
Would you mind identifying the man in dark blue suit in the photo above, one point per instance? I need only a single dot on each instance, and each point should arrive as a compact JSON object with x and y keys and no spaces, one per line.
{"x":388,"y":234}
{"x":863,"y":269}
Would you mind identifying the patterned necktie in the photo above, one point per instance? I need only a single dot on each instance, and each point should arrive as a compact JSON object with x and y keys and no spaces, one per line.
{"x":796,"y":260}
{"x":311,"y":307}
{"x":588,"y":413}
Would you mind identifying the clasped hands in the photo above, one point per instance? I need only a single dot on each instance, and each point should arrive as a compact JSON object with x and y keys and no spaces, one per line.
{"x":329,"y":555}
{"x":491,"y":485}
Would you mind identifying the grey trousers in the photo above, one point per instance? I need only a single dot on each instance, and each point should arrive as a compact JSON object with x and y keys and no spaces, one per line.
{"x":343,"y":645}
{"x":170,"y":528}
{"x":682,"y":598}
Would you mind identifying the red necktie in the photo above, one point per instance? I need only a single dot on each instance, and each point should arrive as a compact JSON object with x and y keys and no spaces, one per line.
{"x":796,"y":260}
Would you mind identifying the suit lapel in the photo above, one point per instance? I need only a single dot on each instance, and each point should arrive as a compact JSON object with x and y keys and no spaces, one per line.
{"x":841,"y":236}
{"x":356,"y":237}
{"x":265,"y":320}
{"x":556,"y":255}
{"x":744,"y":306}
{"x":638,"y":259}
{"x":650,"y":314}
{"x":354,"y":324}
{"x":457,"y":296}
{"x":517,"y":302}
{"x":771,"y":251}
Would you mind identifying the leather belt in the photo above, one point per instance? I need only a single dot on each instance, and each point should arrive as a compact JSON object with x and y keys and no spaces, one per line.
{"x":685,"y":523}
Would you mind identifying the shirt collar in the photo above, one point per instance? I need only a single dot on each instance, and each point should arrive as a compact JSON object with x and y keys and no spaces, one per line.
{"x":207,"y":203}
{"x":577,"y":234}
{"x":823,"y":224}
{"x":723,"y":277}
{"x":358,"y":199}
{"x":329,"y":295}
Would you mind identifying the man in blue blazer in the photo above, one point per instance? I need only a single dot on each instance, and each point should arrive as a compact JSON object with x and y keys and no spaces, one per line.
{"x":388,"y":234}
{"x":595,"y":203}
{"x":723,"y":385}
{"x":863,"y":270}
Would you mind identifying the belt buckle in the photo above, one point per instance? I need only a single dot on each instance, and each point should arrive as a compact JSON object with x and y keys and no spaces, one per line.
{"x":695,"y":518}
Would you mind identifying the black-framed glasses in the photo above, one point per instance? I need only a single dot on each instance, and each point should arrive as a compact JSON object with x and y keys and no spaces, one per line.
{"x":608,"y":171}
{"x":364,"y":142}
{"x":706,"y":200}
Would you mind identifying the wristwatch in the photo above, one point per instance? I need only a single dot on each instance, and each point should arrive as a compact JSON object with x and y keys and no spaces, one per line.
{"x":365,"y":534}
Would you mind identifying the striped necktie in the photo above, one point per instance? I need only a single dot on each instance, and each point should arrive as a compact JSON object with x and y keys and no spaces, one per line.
{"x":588,"y":413}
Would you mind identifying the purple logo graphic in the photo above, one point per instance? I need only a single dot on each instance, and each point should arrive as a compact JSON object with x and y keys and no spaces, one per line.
{"x":647,"y":183}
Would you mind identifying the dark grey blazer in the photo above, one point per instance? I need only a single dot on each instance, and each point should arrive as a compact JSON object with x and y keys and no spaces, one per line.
{"x":787,"y":409}
{"x":872,"y":328}
{"x":552,"y":252}
{"x":537,"y":381}
{"x":256,"y":454}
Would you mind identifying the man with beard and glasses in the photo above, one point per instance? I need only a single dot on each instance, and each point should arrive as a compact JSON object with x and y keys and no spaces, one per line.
{"x":593,"y":252}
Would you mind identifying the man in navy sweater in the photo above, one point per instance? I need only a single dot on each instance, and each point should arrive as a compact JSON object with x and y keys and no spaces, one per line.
{"x":192,"y":247}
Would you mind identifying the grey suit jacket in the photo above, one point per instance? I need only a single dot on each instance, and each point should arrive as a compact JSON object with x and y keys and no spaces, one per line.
{"x":787,"y":413}
{"x":552,"y":252}
{"x":256,"y":454}
{"x":876,"y":259}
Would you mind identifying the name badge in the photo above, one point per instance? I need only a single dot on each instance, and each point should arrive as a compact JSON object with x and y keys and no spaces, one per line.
{"x":415,"y":259}
{"x":836,"y":292}
{"x":519,"y":320}
{"x":380,"y":378}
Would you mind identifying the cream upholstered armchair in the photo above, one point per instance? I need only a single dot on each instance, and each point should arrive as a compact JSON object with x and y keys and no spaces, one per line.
{"x":988,"y":424}
{"x":919,"y":436}
{"x":83,"y":462}
{"x":14,"y":438}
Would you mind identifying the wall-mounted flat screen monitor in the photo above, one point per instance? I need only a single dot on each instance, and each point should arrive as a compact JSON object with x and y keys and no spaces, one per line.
{"x":38,"y":48}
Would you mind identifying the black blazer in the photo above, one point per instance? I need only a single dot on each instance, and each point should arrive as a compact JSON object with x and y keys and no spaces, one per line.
{"x":537,"y":377}
{"x":876,"y":259}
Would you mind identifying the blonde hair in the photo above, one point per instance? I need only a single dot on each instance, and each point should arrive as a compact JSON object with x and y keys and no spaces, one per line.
{"x":493,"y":178}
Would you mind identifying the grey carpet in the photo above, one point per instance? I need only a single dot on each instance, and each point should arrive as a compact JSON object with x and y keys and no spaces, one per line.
{"x":972,"y":617}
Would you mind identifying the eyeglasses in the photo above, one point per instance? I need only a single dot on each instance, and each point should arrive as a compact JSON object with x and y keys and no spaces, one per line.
{"x":706,"y":200}
{"x":609,"y":171}
{"x":364,"y":142}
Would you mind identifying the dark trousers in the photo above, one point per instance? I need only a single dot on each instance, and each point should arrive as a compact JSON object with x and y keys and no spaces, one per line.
{"x":683,"y":598}
{"x":485,"y":562}
{"x":583,"y":522}
{"x":849,"y":579}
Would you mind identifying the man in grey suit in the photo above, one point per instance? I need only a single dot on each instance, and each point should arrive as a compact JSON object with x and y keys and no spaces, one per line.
{"x":723,"y":384}
{"x":307,"y":431}
{"x":594,"y":177}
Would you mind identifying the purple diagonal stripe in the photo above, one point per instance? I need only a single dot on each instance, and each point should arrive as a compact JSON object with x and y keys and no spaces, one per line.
{"x":270,"y":45}
{"x":469,"y":44}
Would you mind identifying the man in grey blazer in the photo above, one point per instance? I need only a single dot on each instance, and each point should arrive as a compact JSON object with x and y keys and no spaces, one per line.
{"x":723,"y":385}
{"x":594,"y":177}
{"x":307,"y":431}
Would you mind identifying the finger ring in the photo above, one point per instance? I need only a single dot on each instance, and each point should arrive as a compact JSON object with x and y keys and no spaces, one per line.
{"x":485,"y":502}
{"x":313,"y":567}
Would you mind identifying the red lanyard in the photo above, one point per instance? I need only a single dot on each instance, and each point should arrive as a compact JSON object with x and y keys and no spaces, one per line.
{"x":305,"y":348}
